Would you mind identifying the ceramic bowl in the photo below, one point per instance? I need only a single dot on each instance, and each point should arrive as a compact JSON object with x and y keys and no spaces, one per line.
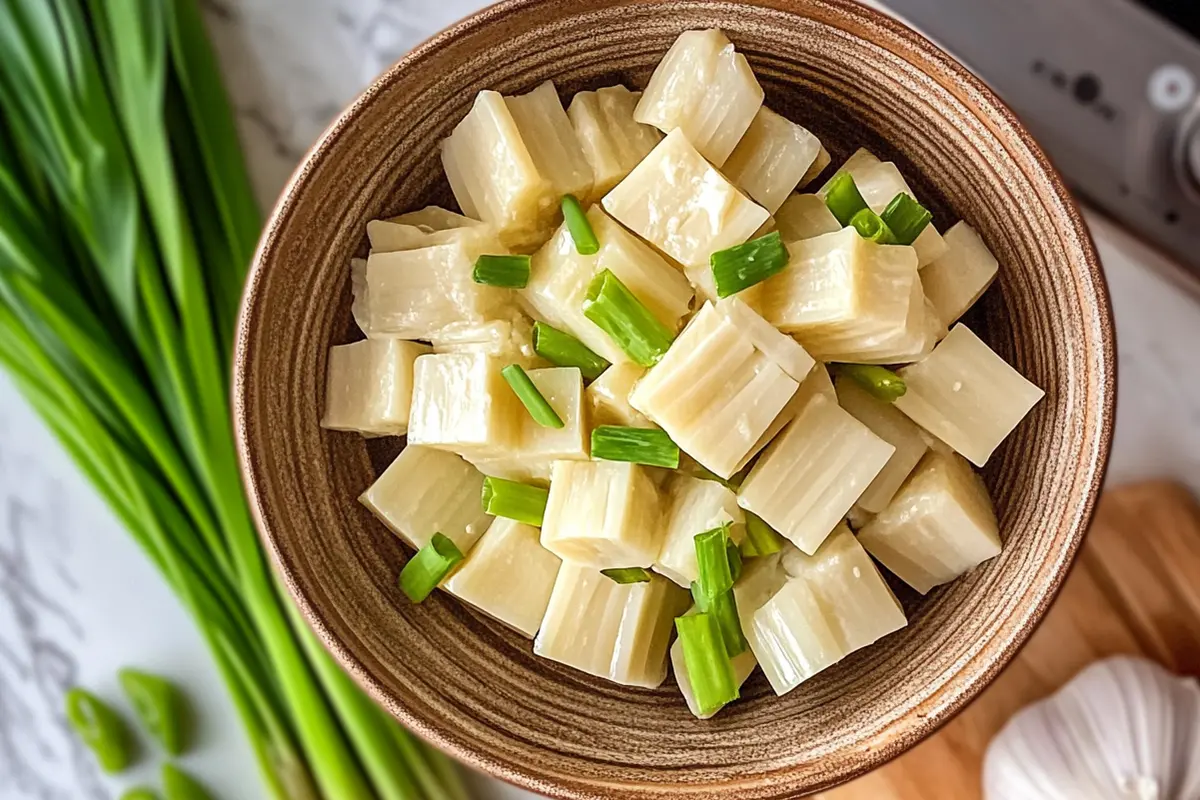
{"x":472,"y":687}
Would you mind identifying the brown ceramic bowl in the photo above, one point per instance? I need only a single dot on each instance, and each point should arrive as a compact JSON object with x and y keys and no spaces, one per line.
{"x":471,"y":686}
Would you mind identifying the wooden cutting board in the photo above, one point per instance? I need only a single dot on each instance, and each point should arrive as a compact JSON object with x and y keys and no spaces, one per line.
{"x":1134,"y":589}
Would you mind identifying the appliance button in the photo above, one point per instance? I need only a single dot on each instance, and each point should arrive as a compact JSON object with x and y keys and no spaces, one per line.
{"x":1171,"y":88}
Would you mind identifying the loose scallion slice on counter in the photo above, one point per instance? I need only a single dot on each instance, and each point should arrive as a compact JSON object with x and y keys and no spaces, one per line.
{"x":101,"y":729}
{"x":737,"y":268}
{"x":425,"y":570}
{"x":712,"y":561}
{"x":879,"y":381}
{"x":627,"y":574}
{"x":723,"y":608}
{"x":564,"y":350}
{"x":843,"y":198}
{"x":537,"y":405}
{"x":513,"y":500}
{"x":508,"y":272}
{"x":871,"y":227}
{"x":619,"y":313}
{"x":709,"y":668}
{"x":586,"y":243}
{"x":649,"y":446}
{"x":906,"y":218}
{"x":761,"y":539}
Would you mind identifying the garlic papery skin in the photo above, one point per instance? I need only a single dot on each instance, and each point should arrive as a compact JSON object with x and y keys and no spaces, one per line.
{"x":1122,"y":729}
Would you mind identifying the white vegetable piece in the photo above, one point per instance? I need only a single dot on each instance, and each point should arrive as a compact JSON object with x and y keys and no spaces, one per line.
{"x":509,"y":339}
{"x":818,"y":166}
{"x":879,"y":182}
{"x":816,"y":382}
{"x":939,"y":526}
{"x":743,"y":664}
{"x":559,"y":278}
{"x":368,"y":386}
{"x":535,"y":447}
{"x":550,"y":138}
{"x":803,"y":216}
{"x":810,"y":476}
{"x":693,"y":506}
{"x":714,"y":392}
{"x":608,"y":397}
{"x":610,"y":630}
{"x":783,"y":350}
{"x":771,"y":159}
{"x":960,"y":277}
{"x":508,"y":575}
{"x":966,"y":395}
{"x":792,"y":637}
{"x":436,"y":218}
{"x":391,"y":235}
{"x":603,"y":514}
{"x":461,"y":403}
{"x":613,"y":142}
{"x":426,"y":491}
{"x":894,"y":428}
{"x":675,"y":200}
{"x":704,"y":88}
{"x":493,"y":176}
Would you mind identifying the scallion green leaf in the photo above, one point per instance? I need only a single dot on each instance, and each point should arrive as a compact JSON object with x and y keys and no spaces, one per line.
{"x":564,"y":350}
{"x":535,"y":403}
{"x":723,"y":608}
{"x":906,"y":218}
{"x":649,"y":446}
{"x":627,"y":574}
{"x":708,"y":664}
{"x":843,"y":198}
{"x":737,"y":268}
{"x":505,"y":271}
{"x":425,"y":570}
{"x":586,"y":243}
{"x":872,"y":228}
{"x":513,"y":500}
{"x":761,"y":539}
{"x":881,"y":382}
{"x":619,"y":313}
{"x":712,"y":560}
{"x":735,"y":559}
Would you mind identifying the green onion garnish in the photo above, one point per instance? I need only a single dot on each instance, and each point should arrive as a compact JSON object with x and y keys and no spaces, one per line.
{"x":906,"y":217}
{"x":741,"y":267}
{"x":881,"y":382}
{"x":512,"y":500}
{"x":537,"y":406}
{"x":425,"y":570}
{"x":509,"y":272}
{"x":619,"y":313}
{"x":872,"y":228}
{"x":648,"y":446}
{"x":586,"y":243}
{"x":723,"y":608}
{"x":735,"y":559}
{"x":761,"y":539}
{"x":843,"y":198}
{"x":712,"y":560}
{"x":564,"y":350}
{"x":627,"y":574}
{"x":709,"y":668}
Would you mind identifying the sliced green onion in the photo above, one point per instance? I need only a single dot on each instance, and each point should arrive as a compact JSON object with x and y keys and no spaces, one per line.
{"x":509,"y":272}
{"x":712,"y":561}
{"x":881,"y":382}
{"x":906,"y":217}
{"x":627,"y":574}
{"x":649,"y":446}
{"x":564,"y":350}
{"x":872,"y":228}
{"x":741,"y":267}
{"x":619,"y":313}
{"x":735,"y":559}
{"x":101,"y":729}
{"x":537,"y":405}
{"x":709,"y":668}
{"x":723,"y":608}
{"x":512,"y":500}
{"x":761,"y":539}
{"x":843,"y":198}
{"x":586,"y":243}
{"x":425,"y":570}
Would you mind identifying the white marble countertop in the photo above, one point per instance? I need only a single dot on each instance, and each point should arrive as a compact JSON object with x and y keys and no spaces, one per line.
{"x":78,"y":601}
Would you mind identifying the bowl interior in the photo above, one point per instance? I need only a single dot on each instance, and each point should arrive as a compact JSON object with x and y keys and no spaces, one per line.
{"x":471,"y":685}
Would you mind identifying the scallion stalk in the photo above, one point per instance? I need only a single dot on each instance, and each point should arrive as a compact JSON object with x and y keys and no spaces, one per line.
{"x":761,"y":539}
{"x":723,"y":608}
{"x":872,"y":228}
{"x":738,"y":268}
{"x":843,"y":198}
{"x":425,"y":570}
{"x":564,"y":350}
{"x":586,"y":243}
{"x":649,"y":446}
{"x":712,"y":561}
{"x":535,"y":403}
{"x":504,"y":271}
{"x":906,"y":218}
{"x":881,"y":382}
{"x":708,"y":665}
{"x":619,"y":313}
{"x":513,"y":500}
{"x":625,"y":575}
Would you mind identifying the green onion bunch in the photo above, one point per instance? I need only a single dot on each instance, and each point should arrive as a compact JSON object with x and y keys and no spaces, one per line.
{"x":126,"y":226}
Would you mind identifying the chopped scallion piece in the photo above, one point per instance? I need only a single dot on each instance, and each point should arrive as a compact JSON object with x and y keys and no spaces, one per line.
{"x":425,"y":570}
{"x":881,"y":382}
{"x":723,"y":608}
{"x":627,"y":574}
{"x":906,"y":218}
{"x":712,"y":561}
{"x":709,"y":668}
{"x":619,"y":313}
{"x":513,"y":500}
{"x":761,"y":539}
{"x":735,"y":559}
{"x":537,"y":405}
{"x":872,"y":228}
{"x":564,"y":350}
{"x":843,"y":198}
{"x":649,"y":446}
{"x":741,"y":267}
{"x":508,"y":272}
{"x":586,"y":243}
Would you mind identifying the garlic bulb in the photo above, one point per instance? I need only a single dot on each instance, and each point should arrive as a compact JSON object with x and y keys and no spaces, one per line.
{"x":1122,"y":729}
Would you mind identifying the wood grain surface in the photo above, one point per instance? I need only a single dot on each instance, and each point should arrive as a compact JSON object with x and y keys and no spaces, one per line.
{"x":1135,"y":589}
